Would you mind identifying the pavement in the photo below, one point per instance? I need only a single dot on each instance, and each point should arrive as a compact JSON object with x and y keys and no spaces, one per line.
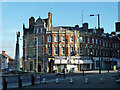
{"x":109,"y":81}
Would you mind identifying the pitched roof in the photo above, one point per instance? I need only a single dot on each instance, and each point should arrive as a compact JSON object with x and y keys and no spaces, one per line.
{"x":7,"y":56}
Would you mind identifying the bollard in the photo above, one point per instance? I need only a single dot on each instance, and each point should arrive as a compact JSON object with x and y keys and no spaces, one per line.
{"x":19,"y":81}
{"x":64,"y":75}
{"x":64,"y":72}
{"x":4,"y":83}
{"x":32,"y":80}
{"x":71,"y":81}
{"x":86,"y":80}
{"x":44,"y":80}
{"x":83,"y":72}
{"x":101,"y":80}
{"x":57,"y":81}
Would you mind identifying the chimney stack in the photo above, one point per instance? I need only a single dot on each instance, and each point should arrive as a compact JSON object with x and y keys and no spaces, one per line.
{"x":85,"y":26}
{"x":31,"y":21}
{"x":49,"y":20}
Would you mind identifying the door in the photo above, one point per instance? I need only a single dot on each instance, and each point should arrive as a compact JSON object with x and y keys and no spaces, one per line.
{"x":39,"y":68}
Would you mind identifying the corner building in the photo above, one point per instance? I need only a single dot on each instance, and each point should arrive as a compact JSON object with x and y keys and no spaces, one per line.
{"x":47,"y":48}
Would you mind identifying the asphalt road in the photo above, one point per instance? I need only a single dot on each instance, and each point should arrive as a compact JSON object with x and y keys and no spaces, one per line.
{"x":12,"y":81}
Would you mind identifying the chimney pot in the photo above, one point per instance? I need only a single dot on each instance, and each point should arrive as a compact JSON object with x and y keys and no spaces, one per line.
{"x":3,"y":52}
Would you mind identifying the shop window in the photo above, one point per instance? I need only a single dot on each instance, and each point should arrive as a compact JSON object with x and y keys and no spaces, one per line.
{"x":115,"y":63}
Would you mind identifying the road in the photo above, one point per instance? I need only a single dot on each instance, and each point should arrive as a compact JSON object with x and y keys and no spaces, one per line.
{"x":12,"y":81}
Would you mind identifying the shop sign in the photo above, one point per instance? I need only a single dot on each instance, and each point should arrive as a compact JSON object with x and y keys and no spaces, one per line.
{"x":57,"y":61}
{"x":63,"y":61}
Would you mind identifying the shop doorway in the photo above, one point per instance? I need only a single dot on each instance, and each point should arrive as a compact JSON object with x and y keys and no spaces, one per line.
{"x":39,"y":68}
{"x":51,"y":66}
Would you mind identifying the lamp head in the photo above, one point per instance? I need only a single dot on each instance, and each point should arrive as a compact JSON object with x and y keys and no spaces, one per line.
{"x":92,"y":15}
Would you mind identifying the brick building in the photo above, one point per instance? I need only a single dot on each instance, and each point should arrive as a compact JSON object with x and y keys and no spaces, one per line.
{"x":47,"y":48}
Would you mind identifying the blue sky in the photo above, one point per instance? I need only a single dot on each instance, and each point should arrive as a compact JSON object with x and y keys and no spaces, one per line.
{"x":14,"y":14}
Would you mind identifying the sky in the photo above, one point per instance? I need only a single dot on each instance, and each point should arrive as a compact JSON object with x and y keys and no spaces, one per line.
{"x":14,"y":14}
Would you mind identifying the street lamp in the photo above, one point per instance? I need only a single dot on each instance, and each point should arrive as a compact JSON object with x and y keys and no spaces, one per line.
{"x":98,"y":19}
{"x":100,"y":39}
{"x":91,"y":53}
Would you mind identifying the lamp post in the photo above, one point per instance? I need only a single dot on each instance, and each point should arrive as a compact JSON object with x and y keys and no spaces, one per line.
{"x":91,"y":53}
{"x":100,"y":39}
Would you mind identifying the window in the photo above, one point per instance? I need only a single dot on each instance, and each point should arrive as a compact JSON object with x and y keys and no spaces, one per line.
{"x":39,"y":40}
{"x":71,"y":39}
{"x":31,"y":42}
{"x":113,"y":45}
{"x":100,"y":52}
{"x":103,"y":44}
{"x":109,"y":44}
{"x":81,"y":51}
{"x":37,"y":30}
{"x":56,"y":50}
{"x":31,"y":52}
{"x":78,"y":50}
{"x":99,"y":41}
{"x":49,"y":38}
{"x":107,"y":53}
{"x":88,"y":39}
{"x":93,"y":51}
{"x":63,"y":38}
{"x":81,"y":39}
{"x":92,"y":40}
{"x":56,"y":38}
{"x":106,"y":44}
{"x":41,"y":30}
{"x":88,"y":51}
{"x":63,"y":50}
{"x":103,"y":53}
{"x":49,"y":50}
{"x":78,"y":39}
{"x":71,"y":49}
{"x":96,"y":52}
{"x":96,"y":41}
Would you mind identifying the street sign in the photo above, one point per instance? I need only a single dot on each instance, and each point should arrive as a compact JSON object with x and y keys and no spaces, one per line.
{"x":46,"y":59}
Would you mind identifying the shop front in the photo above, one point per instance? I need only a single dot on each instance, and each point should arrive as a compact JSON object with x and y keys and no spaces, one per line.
{"x":115,"y":63}
{"x":72,"y":63}
{"x":107,"y":62}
